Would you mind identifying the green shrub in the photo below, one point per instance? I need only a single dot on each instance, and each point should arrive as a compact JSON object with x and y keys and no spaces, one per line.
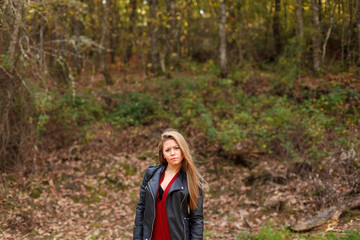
{"x":132,"y":109}
{"x":4,"y":60}
{"x":78,"y":109}
{"x":227,"y":115}
{"x":223,"y":110}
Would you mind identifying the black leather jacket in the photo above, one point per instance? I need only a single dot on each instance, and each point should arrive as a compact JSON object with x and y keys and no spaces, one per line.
{"x":182,"y":224}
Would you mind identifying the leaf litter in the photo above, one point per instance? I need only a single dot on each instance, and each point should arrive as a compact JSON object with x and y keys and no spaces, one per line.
{"x":74,"y":198}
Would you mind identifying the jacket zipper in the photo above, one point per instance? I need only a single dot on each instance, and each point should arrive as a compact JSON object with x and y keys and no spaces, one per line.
{"x":184,"y":228}
{"x":183,"y":220}
{"x":154,"y":212}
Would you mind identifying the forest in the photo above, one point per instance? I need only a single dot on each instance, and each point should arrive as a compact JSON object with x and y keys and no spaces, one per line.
{"x":266,"y":92}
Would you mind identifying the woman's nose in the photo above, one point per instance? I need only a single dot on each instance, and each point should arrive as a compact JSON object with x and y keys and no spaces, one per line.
{"x":172,"y":151}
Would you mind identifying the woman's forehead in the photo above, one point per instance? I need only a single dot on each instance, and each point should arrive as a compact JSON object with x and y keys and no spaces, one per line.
{"x":170,"y":143}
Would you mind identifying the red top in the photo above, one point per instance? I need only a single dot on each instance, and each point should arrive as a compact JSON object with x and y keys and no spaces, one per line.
{"x":161,"y":226}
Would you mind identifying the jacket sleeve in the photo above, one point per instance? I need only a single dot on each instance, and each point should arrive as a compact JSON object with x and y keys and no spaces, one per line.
{"x":140,"y":207}
{"x":196,"y":219}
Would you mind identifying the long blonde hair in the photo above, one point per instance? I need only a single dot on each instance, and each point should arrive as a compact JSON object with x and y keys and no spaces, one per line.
{"x":194,"y":179}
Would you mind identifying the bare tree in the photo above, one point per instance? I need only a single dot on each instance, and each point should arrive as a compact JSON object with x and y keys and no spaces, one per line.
{"x":341,"y":12}
{"x":169,"y":36}
{"x":300,"y":19}
{"x":316,"y":41}
{"x":276,"y":27}
{"x":328,"y":33}
{"x":15,"y":102}
{"x":222,"y":32}
{"x":350,"y":29}
{"x":128,"y":54}
{"x":358,"y":26}
{"x":154,"y":36}
{"x":113,"y":27}
{"x":77,"y":61}
{"x":15,"y":8}
{"x":101,"y":48}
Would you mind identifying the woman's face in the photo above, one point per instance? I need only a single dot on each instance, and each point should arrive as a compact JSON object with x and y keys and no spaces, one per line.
{"x":172,"y":153}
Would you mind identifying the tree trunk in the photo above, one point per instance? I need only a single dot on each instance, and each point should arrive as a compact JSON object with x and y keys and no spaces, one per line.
{"x":178,"y":30}
{"x":172,"y":32}
{"x":76,"y":58}
{"x":241,"y":50}
{"x":61,"y":66}
{"x":300,"y":28}
{"x":328,"y":33}
{"x":342,"y":32}
{"x":316,"y":41}
{"x":113,"y":31}
{"x":300,"y":19}
{"x":153,"y":37}
{"x":320,"y":10}
{"x":328,"y":216}
{"x":350,"y":31}
{"x":276,"y":27}
{"x":162,"y":61}
{"x":105,"y":27}
{"x":169,"y":42}
{"x":16,"y":106}
{"x":16,"y":7}
{"x":132,"y":18}
{"x":358,"y":27}
{"x":222,"y":32}
{"x":167,"y":39}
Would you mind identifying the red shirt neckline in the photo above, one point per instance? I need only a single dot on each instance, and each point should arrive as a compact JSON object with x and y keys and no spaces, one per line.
{"x":161,"y":229}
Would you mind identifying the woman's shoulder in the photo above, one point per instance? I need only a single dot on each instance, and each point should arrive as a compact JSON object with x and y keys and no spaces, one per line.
{"x":151,"y":169}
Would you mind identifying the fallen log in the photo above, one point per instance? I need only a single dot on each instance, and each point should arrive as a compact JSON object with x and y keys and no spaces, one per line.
{"x":327,"y":216}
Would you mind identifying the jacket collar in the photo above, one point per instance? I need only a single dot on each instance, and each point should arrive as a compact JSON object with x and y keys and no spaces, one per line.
{"x":154,"y":181}
{"x":178,"y":184}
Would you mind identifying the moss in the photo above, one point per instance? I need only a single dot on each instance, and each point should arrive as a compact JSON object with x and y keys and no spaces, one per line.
{"x":11,"y":178}
{"x":207,"y":234}
{"x":145,"y":155}
{"x":35,"y":193}
{"x":129,"y":170}
{"x":76,"y":198}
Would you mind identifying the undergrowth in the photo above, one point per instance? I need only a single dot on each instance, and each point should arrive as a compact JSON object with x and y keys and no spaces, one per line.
{"x":227,"y":111}
{"x":271,"y":232}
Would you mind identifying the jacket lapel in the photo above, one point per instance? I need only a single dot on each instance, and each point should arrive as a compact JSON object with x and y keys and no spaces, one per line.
{"x":178,"y":184}
{"x":154,"y":182}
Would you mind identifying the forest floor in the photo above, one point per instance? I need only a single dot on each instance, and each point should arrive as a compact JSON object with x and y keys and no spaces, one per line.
{"x":91,"y":192}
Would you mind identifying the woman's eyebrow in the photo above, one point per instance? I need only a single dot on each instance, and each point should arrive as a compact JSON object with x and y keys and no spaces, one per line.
{"x":171,"y":147}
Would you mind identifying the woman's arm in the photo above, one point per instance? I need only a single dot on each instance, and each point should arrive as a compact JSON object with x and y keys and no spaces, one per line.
{"x":140,"y":207}
{"x":196,"y":219}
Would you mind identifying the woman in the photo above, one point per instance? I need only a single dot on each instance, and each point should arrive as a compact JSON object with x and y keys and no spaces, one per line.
{"x":171,"y":201}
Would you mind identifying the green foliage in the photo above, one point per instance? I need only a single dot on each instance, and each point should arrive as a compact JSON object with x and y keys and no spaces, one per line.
{"x":352,"y":234}
{"x":227,"y":115}
{"x":129,"y":170}
{"x":43,"y":102}
{"x":226,"y":111}
{"x":207,"y":234}
{"x":35,"y":193}
{"x":79,"y":108}
{"x":131,"y":109}
{"x":267,"y":232}
{"x":271,"y":232}
{"x":4,"y":60}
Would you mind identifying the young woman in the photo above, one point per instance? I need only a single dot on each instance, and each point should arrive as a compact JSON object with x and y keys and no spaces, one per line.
{"x":171,"y":200}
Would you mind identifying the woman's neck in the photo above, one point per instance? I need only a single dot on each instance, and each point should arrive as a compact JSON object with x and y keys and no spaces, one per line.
{"x":172,"y":169}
